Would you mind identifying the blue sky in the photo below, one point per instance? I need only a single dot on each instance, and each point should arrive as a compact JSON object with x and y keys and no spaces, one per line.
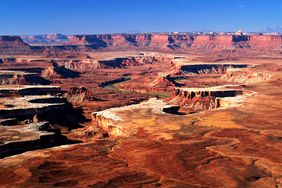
{"x":114,"y":16}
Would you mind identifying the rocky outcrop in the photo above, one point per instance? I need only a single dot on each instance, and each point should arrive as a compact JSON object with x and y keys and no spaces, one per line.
{"x":56,"y":72}
{"x":192,"y":100}
{"x":107,"y":122}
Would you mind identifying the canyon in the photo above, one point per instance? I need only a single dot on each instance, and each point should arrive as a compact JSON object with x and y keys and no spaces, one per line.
{"x":141,"y":110}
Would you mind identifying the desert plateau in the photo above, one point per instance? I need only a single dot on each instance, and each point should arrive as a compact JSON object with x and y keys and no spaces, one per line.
{"x":141,"y":109}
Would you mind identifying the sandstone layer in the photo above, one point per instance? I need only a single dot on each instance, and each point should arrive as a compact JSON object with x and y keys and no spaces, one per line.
{"x":162,"y":42}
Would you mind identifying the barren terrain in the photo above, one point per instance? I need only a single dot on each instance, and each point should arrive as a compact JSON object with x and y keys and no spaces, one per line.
{"x":141,"y":118}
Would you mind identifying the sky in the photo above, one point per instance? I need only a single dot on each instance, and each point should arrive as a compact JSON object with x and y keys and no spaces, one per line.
{"x":24,"y":17}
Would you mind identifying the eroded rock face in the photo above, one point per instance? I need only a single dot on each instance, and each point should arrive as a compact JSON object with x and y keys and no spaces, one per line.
{"x":132,"y":61}
{"x":159,"y":41}
{"x":143,"y":40}
{"x":106,"y":121}
{"x":198,"y":99}
{"x":265,"y":41}
{"x":181,"y":41}
{"x":78,"y":95}
{"x":21,"y":78}
{"x":209,"y":68}
{"x":80,"y":64}
{"x":55,"y":72}
{"x":218,"y":42}
{"x":245,"y":76}
{"x":165,"y":42}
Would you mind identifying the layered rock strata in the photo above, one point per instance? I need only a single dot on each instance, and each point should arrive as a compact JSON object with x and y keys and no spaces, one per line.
{"x":197,"y":99}
{"x":166,"y":42}
{"x":208,"y":68}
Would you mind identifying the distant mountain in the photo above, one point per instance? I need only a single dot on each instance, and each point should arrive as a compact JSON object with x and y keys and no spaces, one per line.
{"x":51,"y":39}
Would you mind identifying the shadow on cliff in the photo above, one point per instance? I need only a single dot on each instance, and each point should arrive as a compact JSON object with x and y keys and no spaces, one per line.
{"x":64,"y":72}
{"x":70,"y":118}
{"x":48,"y":141}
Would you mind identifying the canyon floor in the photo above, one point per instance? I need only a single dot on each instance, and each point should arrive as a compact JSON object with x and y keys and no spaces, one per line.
{"x":141,"y":119}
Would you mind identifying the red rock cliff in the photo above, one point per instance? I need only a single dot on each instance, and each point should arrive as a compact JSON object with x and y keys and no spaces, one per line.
{"x":159,"y":40}
{"x":265,"y":41}
{"x":213,"y":41}
{"x":183,"y":42}
{"x":143,"y":40}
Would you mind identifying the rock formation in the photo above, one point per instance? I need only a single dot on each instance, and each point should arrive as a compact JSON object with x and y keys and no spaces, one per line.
{"x":56,"y":72}
{"x":163,"y":42}
{"x":245,"y":76}
{"x":132,"y":61}
{"x":13,"y":45}
{"x":78,"y":95}
{"x":164,"y":81}
{"x":191,"y":100}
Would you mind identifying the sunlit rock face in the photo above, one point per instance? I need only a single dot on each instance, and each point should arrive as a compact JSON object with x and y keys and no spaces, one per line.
{"x":213,"y":41}
{"x":245,"y":76}
{"x":192,"y":100}
{"x":107,"y":122}
{"x":165,"y":42}
{"x":265,"y":41}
